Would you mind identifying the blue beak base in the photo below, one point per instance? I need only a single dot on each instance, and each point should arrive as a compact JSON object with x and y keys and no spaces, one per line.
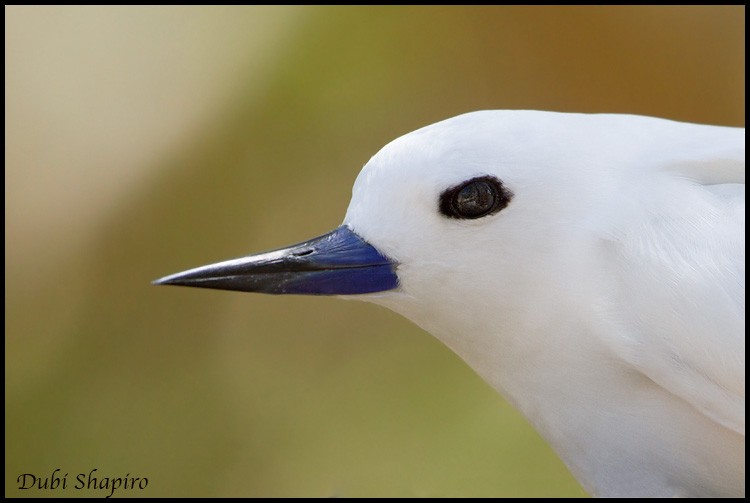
{"x":337,"y":263}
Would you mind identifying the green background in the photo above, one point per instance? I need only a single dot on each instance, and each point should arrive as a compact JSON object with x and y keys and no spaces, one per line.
{"x":142,"y":141}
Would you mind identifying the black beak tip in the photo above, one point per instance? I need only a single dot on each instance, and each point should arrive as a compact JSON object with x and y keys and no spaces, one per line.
{"x":166,"y":280}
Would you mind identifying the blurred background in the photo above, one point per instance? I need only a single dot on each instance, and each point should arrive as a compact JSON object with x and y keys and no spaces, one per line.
{"x":141,"y":141}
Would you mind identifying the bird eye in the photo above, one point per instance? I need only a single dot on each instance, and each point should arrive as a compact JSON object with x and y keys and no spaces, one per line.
{"x":475,"y":198}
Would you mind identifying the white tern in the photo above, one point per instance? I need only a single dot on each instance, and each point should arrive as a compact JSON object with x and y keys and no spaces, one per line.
{"x":591,"y":268}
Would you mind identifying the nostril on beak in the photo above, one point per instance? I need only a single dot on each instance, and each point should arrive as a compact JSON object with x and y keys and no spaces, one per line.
{"x":302,"y":253}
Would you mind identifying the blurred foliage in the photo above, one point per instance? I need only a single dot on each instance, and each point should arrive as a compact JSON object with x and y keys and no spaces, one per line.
{"x":223,"y":394}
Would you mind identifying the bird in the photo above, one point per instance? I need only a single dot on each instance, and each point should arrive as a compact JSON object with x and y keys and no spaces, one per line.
{"x":589,"y":267}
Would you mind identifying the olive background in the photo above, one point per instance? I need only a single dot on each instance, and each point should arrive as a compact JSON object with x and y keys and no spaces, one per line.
{"x":142,"y":141}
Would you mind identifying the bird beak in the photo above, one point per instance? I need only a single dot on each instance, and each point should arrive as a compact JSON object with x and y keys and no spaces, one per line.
{"x":337,"y":263}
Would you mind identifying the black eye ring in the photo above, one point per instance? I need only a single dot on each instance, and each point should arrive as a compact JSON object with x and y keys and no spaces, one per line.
{"x":475,"y":198}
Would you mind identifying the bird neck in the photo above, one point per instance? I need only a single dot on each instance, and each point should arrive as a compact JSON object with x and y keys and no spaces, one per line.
{"x":610,"y":424}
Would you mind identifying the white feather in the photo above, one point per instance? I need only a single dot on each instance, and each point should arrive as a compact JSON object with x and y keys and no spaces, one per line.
{"x":606,"y":301}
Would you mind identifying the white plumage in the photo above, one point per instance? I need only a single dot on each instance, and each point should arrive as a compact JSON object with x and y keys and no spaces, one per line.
{"x":606,"y":301}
